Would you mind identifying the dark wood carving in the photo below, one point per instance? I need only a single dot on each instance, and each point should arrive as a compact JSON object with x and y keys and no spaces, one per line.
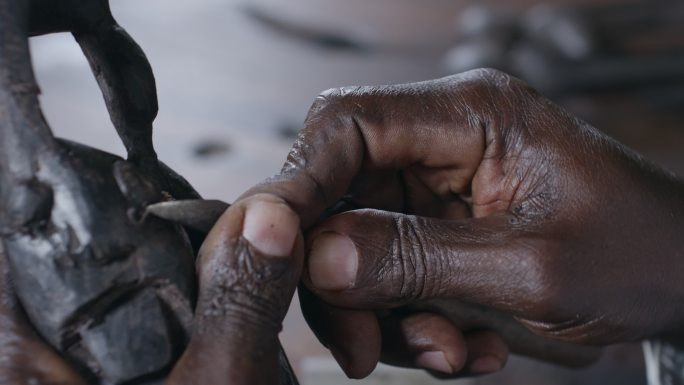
{"x":110,"y":292}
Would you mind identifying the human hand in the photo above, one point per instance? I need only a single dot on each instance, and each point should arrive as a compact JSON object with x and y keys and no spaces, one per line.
{"x":475,"y":188}
{"x":244,"y":295}
{"x":248,"y":269}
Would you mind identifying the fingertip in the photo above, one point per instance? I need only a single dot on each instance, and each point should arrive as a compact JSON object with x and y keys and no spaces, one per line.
{"x":341,"y":358}
{"x":270,"y":225}
{"x":434,"y":360}
{"x":487,"y":352}
{"x":355,"y":342}
{"x":333,"y":262}
{"x":430,"y":333}
{"x":264,"y":222}
{"x":354,"y":368}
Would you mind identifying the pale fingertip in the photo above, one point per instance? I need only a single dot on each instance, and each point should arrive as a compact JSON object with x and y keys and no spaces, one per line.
{"x":270,"y":227}
{"x":333,"y":262}
{"x":435,"y":361}
{"x":432,"y":333}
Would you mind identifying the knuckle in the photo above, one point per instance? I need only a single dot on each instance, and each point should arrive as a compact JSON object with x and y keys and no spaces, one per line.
{"x":409,"y":265}
{"x":485,"y":78}
{"x":493,"y":75}
{"x":334,"y":100}
{"x":498,"y":79}
{"x":538,"y":279}
{"x":325,"y":102}
{"x":490,"y":93}
{"x":333,"y":110}
{"x":499,"y":84}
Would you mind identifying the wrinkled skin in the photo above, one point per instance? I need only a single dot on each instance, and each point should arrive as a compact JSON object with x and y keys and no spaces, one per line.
{"x":244,"y":293}
{"x":519,"y":207}
{"x":475,"y":188}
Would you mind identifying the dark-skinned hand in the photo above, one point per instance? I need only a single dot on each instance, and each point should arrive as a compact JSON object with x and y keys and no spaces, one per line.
{"x":247,"y":274}
{"x":475,"y":188}
{"x":249,"y":267}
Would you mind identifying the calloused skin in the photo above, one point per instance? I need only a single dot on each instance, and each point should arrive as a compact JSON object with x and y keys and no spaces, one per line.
{"x":476,"y":188}
{"x":473,"y":188}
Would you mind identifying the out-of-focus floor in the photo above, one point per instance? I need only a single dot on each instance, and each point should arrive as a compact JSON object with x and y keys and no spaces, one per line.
{"x":224,"y":79}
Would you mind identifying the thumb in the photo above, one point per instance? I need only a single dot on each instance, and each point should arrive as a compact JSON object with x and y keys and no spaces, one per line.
{"x":248,"y":268}
{"x":374,"y":259}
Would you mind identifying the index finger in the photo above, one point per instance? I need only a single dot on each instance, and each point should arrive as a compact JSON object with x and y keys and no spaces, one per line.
{"x":436,"y":125}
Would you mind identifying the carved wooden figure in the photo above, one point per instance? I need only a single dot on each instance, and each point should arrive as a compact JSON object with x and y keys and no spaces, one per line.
{"x":110,"y":292}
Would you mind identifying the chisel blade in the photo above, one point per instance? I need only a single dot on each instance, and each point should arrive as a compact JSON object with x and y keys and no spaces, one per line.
{"x":197,"y":214}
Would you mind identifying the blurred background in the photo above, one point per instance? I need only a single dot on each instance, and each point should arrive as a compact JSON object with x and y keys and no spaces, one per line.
{"x":236,"y":78}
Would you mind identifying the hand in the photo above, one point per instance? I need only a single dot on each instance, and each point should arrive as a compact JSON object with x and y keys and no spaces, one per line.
{"x":248,"y":268}
{"x":26,"y":359}
{"x":476,"y":188}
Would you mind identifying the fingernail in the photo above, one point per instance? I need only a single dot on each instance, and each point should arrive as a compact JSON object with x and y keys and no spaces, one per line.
{"x":333,"y":262}
{"x":434,"y":361}
{"x":486,"y":364}
{"x":271,"y":228}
